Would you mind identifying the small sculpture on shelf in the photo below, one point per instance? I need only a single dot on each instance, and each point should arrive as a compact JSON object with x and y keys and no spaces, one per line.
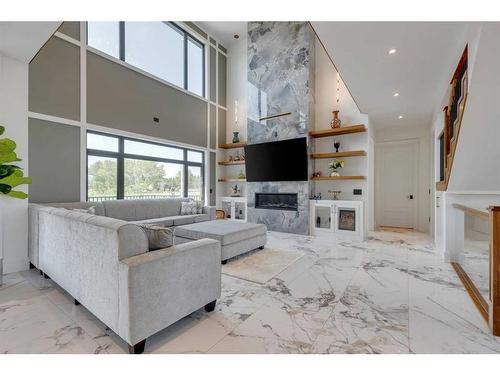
{"x":336,"y":144}
{"x":235,"y":191}
{"x":334,"y":194}
{"x":316,"y":174}
{"x":241,"y":175}
{"x":238,"y":157}
{"x":316,"y":197}
{"x":230,"y":158}
{"x":334,"y":166}
{"x":335,"y":123}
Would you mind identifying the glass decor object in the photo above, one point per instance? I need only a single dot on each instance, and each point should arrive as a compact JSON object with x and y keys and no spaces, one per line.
{"x":236,"y":138}
{"x":335,"y":123}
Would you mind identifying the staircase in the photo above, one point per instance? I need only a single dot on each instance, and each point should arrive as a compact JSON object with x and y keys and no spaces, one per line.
{"x":453,"y":114}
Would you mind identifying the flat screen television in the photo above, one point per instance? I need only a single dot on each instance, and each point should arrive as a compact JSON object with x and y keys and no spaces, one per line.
{"x":277,"y":161}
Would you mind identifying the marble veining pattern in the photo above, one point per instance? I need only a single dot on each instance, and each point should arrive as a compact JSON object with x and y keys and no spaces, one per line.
{"x":389,"y":294}
{"x":280,"y":60}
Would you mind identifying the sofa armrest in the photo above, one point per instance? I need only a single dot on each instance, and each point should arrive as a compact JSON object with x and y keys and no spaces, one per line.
{"x":210,"y":210}
{"x":158,"y":288}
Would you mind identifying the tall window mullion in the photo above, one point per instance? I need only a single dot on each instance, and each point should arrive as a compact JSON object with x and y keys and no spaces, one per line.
{"x":185,"y":62}
{"x":122,"y":40}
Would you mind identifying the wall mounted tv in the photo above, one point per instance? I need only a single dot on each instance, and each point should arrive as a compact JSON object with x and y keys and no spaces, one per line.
{"x":277,"y":161}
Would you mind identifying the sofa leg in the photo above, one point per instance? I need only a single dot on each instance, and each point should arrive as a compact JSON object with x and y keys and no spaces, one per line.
{"x":45,"y":276}
{"x":41,"y":272}
{"x":261,"y":247}
{"x":137,"y":348}
{"x":75,"y":301}
{"x":224,"y":261}
{"x":209,"y":307}
{"x":32,"y":266}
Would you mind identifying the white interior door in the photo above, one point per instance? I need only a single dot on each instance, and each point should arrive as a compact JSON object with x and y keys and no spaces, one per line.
{"x":396,"y":176}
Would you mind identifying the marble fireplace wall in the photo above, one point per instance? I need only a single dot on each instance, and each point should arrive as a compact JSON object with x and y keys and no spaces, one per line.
{"x":280,"y":67}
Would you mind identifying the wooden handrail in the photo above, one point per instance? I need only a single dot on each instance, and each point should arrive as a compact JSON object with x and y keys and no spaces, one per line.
{"x":452,"y":125}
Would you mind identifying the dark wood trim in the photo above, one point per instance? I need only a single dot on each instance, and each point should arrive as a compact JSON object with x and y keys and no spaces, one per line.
{"x":340,"y":154}
{"x":474,"y":294}
{"x":494,"y":306}
{"x":348,"y":129}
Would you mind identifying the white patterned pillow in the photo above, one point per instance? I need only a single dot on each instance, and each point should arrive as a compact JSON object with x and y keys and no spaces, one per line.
{"x":158,"y":237}
{"x":191,"y":207}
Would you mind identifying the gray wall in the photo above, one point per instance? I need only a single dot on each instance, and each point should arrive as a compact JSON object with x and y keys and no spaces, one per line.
{"x":222,"y":80}
{"x":54,"y":80}
{"x":123,"y":99}
{"x":222,"y":126}
{"x":71,"y":29}
{"x":54,"y":160}
{"x":118,"y":98}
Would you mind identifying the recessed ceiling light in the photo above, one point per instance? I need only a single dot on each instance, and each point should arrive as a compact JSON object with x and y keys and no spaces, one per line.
{"x":396,"y":94}
{"x":400,"y":117}
{"x":392,"y":51}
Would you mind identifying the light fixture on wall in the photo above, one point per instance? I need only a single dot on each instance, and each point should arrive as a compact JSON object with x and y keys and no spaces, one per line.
{"x":396,"y":94}
{"x":400,"y":117}
{"x":392,"y":51}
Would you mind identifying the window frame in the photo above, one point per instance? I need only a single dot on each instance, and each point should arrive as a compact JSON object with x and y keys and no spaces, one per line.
{"x":186,"y":35}
{"x":121,"y":155}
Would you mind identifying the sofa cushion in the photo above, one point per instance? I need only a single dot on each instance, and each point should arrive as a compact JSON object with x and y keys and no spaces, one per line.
{"x":99,"y":208}
{"x":161,"y":221}
{"x":201,"y":217}
{"x":226,"y":231}
{"x":142,"y":209}
{"x":158,"y":237}
{"x":183,"y":219}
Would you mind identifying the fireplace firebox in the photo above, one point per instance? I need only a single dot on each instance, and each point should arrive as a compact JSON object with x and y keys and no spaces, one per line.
{"x":276,"y":201}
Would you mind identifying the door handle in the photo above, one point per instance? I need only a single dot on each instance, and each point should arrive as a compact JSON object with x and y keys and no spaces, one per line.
{"x":410,"y":196}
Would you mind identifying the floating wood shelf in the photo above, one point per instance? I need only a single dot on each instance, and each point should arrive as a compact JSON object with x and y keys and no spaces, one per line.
{"x":342,"y":154}
{"x":336,"y":178}
{"x":233,"y":162}
{"x":233,"y":145}
{"x":338,"y":131}
{"x":232,"y":180}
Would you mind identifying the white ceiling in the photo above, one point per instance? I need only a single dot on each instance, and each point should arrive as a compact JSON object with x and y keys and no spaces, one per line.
{"x":22,"y":40}
{"x":419,"y":71}
{"x":224,"y":31}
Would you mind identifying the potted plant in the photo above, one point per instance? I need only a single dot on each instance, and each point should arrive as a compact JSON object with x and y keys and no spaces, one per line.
{"x":335,"y":165}
{"x":10,"y":176}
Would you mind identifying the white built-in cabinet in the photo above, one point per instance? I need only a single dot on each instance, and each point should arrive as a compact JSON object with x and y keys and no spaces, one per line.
{"x":234,"y":207}
{"x":335,"y":217}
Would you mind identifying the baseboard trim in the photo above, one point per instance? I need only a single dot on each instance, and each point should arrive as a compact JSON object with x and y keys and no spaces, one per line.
{"x":474,"y":293}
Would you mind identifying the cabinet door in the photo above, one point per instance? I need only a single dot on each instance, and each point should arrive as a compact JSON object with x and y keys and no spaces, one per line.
{"x":240,"y":209}
{"x":323,"y":217}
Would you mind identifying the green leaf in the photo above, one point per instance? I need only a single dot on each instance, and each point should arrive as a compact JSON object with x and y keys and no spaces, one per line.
{"x":7,"y":170}
{"x":7,"y":145}
{"x":5,"y":189}
{"x":8,"y":158}
{"x":17,"y":194}
{"x":2,"y":129}
{"x":15,"y":179}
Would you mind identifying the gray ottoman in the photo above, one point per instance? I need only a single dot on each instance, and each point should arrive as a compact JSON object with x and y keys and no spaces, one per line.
{"x":236,"y":237}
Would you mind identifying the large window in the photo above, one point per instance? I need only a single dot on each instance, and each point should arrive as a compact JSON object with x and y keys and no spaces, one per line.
{"x":124,"y":168}
{"x":160,"y":48}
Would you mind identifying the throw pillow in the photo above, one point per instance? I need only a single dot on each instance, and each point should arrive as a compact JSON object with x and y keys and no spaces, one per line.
{"x":90,"y":210}
{"x":191,"y":207}
{"x":158,"y":237}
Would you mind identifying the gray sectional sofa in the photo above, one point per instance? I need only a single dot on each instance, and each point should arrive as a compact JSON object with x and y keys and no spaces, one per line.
{"x":103,"y":261}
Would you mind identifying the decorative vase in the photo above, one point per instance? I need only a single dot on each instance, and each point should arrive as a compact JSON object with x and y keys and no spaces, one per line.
{"x":236,"y":139}
{"x":336,"y":145}
{"x":334,"y":173}
{"x":335,"y":123}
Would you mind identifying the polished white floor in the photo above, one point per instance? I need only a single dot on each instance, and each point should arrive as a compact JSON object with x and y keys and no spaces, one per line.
{"x":390,"y":294}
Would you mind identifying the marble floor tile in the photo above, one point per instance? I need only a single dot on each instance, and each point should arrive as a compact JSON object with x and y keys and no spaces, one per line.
{"x":392,"y":293}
